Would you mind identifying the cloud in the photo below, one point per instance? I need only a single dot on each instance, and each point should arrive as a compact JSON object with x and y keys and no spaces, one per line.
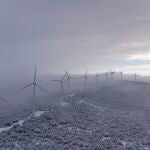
{"x":136,"y":44}
{"x":142,"y":56}
{"x":76,"y":35}
{"x":143,"y":69}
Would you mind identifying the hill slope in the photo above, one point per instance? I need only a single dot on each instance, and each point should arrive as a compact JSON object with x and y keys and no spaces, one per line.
{"x":112,"y":117}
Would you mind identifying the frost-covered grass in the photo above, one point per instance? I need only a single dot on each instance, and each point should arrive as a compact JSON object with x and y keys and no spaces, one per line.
{"x":115,"y":117}
{"x":21,"y":122}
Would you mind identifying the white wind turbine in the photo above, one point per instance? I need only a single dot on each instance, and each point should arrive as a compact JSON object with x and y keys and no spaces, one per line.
{"x":85,"y":77}
{"x":69,"y":78}
{"x":35,"y":85}
{"x":96,"y":78}
{"x":2,"y":99}
{"x":61,"y":82}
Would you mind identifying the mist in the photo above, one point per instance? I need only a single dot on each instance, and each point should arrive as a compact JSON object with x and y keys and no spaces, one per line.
{"x":74,"y":35}
{"x":74,"y":74}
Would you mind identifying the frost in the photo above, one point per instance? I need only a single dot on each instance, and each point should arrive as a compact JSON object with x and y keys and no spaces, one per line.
{"x":38,"y":113}
{"x":64,"y":104}
{"x":20,"y":122}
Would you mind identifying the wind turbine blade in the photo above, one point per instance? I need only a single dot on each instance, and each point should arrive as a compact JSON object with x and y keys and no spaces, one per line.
{"x":55,"y":80}
{"x":64,"y":76}
{"x":35,"y":75}
{"x":86,"y":72}
{"x":67,"y":74}
{"x":26,"y":86}
{"x":3,"y":99}
{"x":40,"y":87}
{"x":65,"y":81}
{"x":82,"y":77}
{"x":95,"y":76}
{"x":73,"y":78}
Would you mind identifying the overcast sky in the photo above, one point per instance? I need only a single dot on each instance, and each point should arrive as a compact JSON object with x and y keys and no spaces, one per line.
{"x":74,"y":34}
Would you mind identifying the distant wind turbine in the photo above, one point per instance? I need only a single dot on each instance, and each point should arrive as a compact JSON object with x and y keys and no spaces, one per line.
{"x":135,"y":76}
{"x":121,"y":75}
{"x":112,"y":74}
{"x":85,"y":77}
{"x":61,"y":82}
{"x":106,"y":76}
{"x":34,"y":84}
{"x":2,"y":99}
{"x":96,"y":78}
{"x":69,"y":78}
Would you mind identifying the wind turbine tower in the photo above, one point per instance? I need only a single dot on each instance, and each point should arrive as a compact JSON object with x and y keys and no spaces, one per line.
{"x":61,"y":82}
{"x":85,"y":78}
{"x":69,"y":78}
{"x":35,"y":85}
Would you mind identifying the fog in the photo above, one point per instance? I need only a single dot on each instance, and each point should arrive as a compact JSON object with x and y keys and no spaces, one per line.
{"x":98,"y":35}
{"x":9,"y":88}
{"x":107,"y":108}
{"x":54,"y":35}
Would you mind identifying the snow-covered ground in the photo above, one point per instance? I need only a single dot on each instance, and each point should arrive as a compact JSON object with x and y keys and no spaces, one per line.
{"x":114,"y":116}
{"x":20,"y":122}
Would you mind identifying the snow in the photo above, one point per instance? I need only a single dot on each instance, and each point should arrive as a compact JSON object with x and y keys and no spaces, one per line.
{"x":105,"y":138}
{"x":63,"y":104}
{"x":69,"y":128}
{"x":20,"y":122}
{"x":116,"y":115}
{"x":124,"y":143}
{"x":10,"y":127}
{"x":91,"y":105}
{"x":2,"y":129}
{"x":6,"y":128}
{"x":39,"y":113}
{"x":71,"y":95}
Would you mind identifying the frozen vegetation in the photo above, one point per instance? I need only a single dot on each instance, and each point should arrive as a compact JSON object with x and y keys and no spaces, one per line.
{"x":112,"y":116}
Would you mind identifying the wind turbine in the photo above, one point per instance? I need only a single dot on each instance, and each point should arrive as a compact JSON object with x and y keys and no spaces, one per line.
{"x":106,"y":75}
{"x":121,"y":75}
{"x":85,"y":78}
{"x":61,"y":82}
{"x":112,"y":73}
{"x":35,"y":85}
{"x":2,"y":99}
{"x":96,"y":77}
{"x":69,"y":78}
{"x":135,"y":76}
